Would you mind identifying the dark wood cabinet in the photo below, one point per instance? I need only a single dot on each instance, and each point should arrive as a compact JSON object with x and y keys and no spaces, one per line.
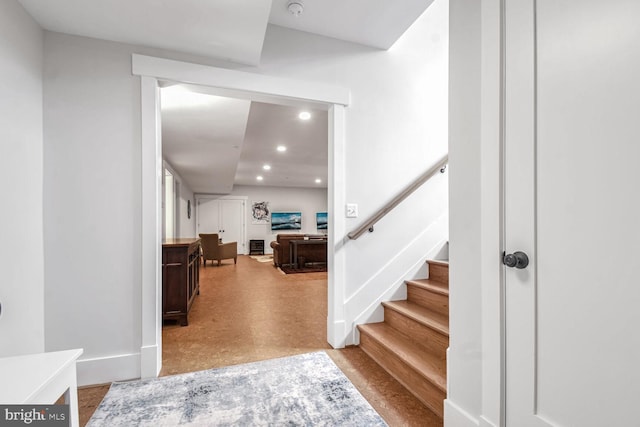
{"x":180,"y":277}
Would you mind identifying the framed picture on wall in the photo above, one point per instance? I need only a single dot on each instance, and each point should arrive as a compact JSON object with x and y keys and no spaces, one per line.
{"x":286,"y":221}
{"x":260,"y":213}
{"x":321,"y":221}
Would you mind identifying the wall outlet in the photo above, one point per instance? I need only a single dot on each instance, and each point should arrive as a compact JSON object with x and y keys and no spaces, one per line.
{"x":352,"y":210}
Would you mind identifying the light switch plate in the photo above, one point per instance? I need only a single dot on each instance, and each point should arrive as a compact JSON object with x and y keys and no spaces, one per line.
{"x":352,"y":210}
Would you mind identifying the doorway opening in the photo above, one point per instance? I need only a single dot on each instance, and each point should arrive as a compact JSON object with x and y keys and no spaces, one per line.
{"x":248,"y":86}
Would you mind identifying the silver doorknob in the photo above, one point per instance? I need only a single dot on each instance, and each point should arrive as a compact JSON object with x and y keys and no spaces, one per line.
{"x":516,"y":259}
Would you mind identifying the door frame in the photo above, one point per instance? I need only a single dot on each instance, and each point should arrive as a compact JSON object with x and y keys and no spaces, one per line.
{"x":173,"y":199}
{"x":490,"y":32}
{"x":246,"y":85}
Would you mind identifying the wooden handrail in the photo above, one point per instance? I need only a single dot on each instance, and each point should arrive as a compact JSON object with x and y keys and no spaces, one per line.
{"x":440,"y":166}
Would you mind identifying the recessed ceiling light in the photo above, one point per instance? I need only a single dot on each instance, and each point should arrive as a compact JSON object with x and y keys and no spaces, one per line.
{"x":266,"y":167}
{"x":318,"y":180}
{"x":281,"y":148}
{"x":305,"y":115}
{"x":259,"y":178}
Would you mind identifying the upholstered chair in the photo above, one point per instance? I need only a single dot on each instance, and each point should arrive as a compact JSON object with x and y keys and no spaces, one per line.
{"x":212,"y":249}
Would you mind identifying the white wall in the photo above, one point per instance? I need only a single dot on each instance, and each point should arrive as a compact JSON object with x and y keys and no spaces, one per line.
{"x":306,"y":200}
{"x":396,"y":129}
{"x":21,"y":219}
{"x":186,"y":225}
{"x":92,"y":202}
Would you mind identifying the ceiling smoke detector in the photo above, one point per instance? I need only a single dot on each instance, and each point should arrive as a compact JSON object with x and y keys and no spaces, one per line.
{"x":295,"y":8}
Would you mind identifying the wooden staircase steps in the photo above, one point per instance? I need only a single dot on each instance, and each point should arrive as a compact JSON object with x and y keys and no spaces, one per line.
{"x":439,"y":271}
{"x":430,"y":294}
{"x":412,"y":341}
{"x":426,"y":327}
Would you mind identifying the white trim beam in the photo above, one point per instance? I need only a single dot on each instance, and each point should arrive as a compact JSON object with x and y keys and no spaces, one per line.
{"x":166,"y":69}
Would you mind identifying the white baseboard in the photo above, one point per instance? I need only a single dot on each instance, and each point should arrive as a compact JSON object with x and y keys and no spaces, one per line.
{"x":150,"y":361}
{"x":454,"y":416}
{"x":103,"y":370}
{"x":336,"y":334}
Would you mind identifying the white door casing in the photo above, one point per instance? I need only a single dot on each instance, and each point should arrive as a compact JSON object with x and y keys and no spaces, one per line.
{"x":259,"y":88}
{"x":169,"y":204}
{"x":571,"y":147}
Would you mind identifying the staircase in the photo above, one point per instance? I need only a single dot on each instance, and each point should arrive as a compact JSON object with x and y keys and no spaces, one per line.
{"x":412,"y":341}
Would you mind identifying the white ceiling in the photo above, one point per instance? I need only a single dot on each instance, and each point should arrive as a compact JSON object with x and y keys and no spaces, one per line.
{"x":375,"y":23}
{"x":202,"y":137}
{"x":232,"y":30}
{"x":225,"y":29}
{"x":214,"y":142}
{"x":306,"y":157}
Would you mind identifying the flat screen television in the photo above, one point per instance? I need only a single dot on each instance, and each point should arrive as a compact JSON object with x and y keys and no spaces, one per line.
{"x":321,"y":220}
{"x":286,"y":221}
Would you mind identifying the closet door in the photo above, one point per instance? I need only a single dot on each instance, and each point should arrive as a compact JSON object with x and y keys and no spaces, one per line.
{"x":209,"y":219}
{"x":572,"y":108}
{"x":225,"y":217}
{"x":232,"y":214}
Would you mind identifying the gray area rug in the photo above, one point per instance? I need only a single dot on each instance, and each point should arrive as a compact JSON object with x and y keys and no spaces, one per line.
{"x":304,"y":390}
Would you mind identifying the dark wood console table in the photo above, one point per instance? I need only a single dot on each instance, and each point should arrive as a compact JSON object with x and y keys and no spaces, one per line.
{"x":180,"y":277}
{"x":293,"y":248}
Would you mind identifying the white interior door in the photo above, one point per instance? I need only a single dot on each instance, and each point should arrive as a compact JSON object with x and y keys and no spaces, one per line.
{"x":208,"y":215}
{"x":572,"y":148}
{"x":232,"y":212}
{"x":225,"y":217}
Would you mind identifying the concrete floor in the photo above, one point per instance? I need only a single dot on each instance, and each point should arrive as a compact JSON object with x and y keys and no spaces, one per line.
{"x":251,"y":311}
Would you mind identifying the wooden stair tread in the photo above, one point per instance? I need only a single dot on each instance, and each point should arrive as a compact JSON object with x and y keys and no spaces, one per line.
{"x":430,"y":285}
{"x":408,"y":351}
{"x":442,"y":262}
{"x":436,"y":321}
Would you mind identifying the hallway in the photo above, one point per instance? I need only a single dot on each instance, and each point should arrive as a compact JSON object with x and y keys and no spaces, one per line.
{"x":251,"y":311}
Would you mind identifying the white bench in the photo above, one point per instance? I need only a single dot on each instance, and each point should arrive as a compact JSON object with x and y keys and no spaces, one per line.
{"x":41,"y":379}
